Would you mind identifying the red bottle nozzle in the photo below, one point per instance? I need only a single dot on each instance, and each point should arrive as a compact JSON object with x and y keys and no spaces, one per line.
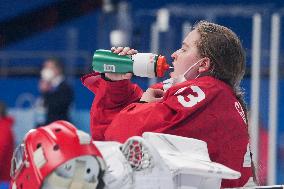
{"x":162,"y":66}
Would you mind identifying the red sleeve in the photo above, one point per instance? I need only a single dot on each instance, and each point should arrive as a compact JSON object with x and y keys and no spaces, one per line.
{"x":111,"y":98}
{"x":92,"y":81}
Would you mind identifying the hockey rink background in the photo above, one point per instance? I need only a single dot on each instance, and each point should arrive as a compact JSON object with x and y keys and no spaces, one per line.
{"x":157,"y":27}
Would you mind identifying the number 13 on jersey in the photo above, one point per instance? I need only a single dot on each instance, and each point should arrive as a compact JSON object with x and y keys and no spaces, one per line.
{"x":192,"y":99}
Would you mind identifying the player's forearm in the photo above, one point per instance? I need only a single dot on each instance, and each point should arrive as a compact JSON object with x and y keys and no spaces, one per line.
{"x":119,"y":94}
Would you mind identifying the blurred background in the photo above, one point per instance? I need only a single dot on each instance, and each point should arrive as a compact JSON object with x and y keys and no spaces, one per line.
{"x":32,"y":31}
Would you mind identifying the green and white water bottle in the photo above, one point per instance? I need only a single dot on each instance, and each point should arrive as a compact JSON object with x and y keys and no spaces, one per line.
{"x":141,"y":64}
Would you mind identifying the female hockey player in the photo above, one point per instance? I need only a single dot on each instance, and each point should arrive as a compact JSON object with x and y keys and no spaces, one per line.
{"x":202,"y":100}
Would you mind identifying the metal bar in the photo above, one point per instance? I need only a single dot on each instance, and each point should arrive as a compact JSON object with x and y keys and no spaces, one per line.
{"x":255,"y":85}
{"x":154,"y":46}
{"x":273,"y":97}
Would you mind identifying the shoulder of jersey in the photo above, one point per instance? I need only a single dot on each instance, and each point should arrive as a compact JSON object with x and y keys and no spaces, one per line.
{"x":204,"y":83}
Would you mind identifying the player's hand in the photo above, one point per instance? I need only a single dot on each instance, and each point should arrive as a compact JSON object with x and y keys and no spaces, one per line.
{"x":152,"y":95}
{"x":121,"y":51}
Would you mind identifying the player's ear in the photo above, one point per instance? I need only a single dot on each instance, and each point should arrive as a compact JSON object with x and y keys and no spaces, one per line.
{"x":205,"y":65}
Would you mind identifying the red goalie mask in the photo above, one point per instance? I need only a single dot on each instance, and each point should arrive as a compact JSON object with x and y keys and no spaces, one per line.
{"x":57,"y":156}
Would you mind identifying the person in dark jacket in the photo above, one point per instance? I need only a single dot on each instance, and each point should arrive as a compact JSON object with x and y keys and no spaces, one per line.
{"x":57,"y":94}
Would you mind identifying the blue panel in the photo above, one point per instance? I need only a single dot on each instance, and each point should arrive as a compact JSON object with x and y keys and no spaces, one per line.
{"x":4,"y":185}
{"x":12,"y":89}
{"x":241,"y":26}
{"x":280,"y":152}
{"x":83,"y":97}
{"x":57,"y":38}
{"x":13,"y":8}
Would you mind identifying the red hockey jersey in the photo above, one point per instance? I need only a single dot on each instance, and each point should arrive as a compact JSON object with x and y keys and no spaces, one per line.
{"x":204,"y":108}
{"x":6,"y":147}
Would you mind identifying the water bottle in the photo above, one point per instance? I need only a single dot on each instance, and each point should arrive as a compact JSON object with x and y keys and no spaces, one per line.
{"x":141,"y":64}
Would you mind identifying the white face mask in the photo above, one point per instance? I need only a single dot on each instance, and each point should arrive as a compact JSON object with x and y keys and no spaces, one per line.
{"x":47,"y":74}
{"x":190,"y":73}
